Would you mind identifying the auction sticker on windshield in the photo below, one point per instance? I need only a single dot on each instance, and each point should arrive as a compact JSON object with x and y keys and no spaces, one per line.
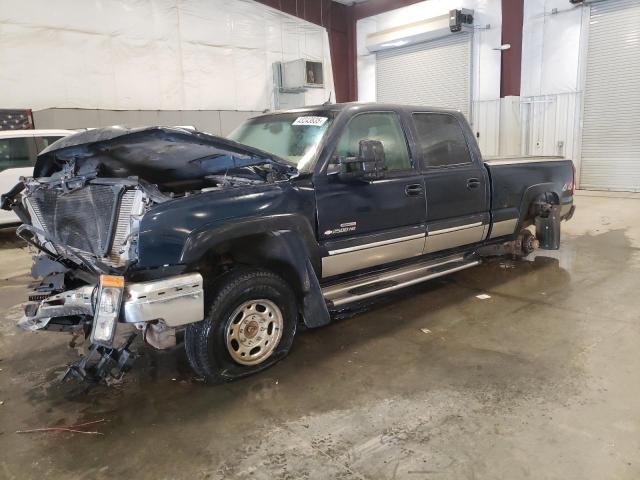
{"x":312,"y":121}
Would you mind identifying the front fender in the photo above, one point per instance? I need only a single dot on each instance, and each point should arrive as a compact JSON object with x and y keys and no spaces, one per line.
{"x":217,"y":234}
{"x":167,"y":228}
{"x":283,"y":243}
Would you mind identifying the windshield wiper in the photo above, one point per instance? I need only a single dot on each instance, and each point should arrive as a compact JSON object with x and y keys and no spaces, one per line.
{"x":222,"y":163}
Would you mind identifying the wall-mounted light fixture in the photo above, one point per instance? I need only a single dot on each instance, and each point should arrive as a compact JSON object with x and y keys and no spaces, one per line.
{"x":398,"y":43}
{"x":421,"y":31}
{"x":505,"y":46}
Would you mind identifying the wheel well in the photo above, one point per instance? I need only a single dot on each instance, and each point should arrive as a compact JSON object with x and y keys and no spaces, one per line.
{"x":538,"y":205}
{"x":262,"y":250}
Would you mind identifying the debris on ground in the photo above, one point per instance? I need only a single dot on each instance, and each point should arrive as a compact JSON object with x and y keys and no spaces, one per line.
{"x":425,"y":330}
{"x":483,"y":296}
{"x":70,"y":428}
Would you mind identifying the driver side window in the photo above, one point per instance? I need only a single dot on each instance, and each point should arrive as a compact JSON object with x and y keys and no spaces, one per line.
{"x":382,"y":126}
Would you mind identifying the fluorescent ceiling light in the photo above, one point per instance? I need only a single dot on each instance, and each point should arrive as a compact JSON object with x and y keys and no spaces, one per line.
{"x":398,"y":43}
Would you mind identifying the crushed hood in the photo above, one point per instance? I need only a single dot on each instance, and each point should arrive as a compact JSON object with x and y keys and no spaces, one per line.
{"x":159,"y":155}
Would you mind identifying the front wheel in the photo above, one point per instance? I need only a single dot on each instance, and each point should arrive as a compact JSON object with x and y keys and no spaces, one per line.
{"x":250,"y":325}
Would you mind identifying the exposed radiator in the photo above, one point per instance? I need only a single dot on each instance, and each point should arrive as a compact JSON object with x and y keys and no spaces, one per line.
{"x":81,"y":219}
{"x":94,"y":220}
{"x":128,"y":203}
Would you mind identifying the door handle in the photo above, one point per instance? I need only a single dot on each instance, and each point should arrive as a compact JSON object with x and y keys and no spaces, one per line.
{"x":413,"y":190}
{"x":473,"y":183}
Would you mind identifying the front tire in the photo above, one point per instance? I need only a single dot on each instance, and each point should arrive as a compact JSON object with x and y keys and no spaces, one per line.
{"x":250,"y":326}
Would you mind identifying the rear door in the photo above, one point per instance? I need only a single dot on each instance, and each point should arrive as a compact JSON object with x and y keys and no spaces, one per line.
{"x":456,"y":184}
{"x":366,"y":224}
{"x":17,"y":158}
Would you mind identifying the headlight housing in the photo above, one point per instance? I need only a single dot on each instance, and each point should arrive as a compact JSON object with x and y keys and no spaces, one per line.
{"x":107,"y":309}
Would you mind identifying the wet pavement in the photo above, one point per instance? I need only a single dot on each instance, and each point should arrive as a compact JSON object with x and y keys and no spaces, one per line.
{"x":541,"y":380}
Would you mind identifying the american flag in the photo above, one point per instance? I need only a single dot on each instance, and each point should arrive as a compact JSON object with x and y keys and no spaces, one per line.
{"x":16,"y":120}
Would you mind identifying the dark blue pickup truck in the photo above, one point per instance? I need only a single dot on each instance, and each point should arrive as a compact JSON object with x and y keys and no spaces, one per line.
{"x":234,"y":243}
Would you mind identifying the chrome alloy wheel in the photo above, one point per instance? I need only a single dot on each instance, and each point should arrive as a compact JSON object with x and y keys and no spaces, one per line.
{"x":254,"y":331}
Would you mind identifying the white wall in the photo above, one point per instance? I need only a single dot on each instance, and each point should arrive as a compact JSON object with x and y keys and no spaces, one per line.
{"x":486,"y":61}
{"x":150,"y":54}
{"x":553,"y":48}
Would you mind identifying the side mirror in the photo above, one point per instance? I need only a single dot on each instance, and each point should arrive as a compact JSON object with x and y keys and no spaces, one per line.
{"x":368,"y":165}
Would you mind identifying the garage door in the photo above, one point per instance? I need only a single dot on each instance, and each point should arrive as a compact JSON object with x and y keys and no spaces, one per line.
{"x":435,"y":73}
{"x":611,"y":130}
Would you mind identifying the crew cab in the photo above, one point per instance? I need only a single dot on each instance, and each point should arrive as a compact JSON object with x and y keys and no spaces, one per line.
{"x":296,"y":217}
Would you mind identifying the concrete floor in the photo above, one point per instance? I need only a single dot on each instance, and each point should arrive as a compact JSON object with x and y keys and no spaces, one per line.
{"x":542,"y":381}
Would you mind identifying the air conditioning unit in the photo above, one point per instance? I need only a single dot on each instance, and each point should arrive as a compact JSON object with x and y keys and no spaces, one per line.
{"x":301,"y":74}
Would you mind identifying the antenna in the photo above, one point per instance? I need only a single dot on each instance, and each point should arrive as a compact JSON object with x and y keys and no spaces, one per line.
{"x":328,"y":102}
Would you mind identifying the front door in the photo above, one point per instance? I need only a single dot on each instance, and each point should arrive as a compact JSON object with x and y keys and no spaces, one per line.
{"x":366,"y":224}
{"x":456,"y":185}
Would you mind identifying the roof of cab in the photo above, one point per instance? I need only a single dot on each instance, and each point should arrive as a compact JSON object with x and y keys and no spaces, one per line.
{"x":362,"y":107}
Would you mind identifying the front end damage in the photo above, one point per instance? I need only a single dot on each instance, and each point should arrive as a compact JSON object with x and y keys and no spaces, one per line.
{"x":87,"y":242}
{"x":111,"y":321}
{"x":82,"y":215}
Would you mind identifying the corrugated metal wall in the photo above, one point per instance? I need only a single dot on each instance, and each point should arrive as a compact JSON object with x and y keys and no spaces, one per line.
{"x":550,"y":125}
{"x":611,"y":133}
{"x":435,"y":73}
{"x":486,"y":125}
{"x":534,"y":126}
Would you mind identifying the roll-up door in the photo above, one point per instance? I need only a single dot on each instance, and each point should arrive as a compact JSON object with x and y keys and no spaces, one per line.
{"x":435,"y":73}
{"x":611,"y":128}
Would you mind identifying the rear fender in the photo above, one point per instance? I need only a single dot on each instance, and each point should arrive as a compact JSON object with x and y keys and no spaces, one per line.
{"x":530,"y":195}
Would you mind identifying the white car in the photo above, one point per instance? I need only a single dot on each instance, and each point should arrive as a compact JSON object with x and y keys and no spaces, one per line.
{"x":18,"y":152}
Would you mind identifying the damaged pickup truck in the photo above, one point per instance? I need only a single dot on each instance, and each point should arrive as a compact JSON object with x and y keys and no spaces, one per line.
{"x":236,"y":242}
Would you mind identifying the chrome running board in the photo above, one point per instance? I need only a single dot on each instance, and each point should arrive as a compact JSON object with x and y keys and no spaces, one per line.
{"x":375,"y":284}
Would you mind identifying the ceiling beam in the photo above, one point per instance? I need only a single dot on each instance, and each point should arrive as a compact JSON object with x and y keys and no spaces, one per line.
{"x":374,"y":7}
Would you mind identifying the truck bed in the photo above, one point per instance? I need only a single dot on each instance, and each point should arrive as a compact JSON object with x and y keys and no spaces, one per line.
{"x":517,"y":181}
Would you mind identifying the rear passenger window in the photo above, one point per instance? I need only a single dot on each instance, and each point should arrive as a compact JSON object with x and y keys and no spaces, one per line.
{"x":16,"y":152}
{"x":441,"y":139}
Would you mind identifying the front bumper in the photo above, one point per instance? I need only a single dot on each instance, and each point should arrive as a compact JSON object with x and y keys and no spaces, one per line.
{"x":567,"y":211}
{"x":176,"y":301}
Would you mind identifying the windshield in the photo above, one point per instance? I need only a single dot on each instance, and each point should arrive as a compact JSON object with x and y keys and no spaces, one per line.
{"x":292,"y":136}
